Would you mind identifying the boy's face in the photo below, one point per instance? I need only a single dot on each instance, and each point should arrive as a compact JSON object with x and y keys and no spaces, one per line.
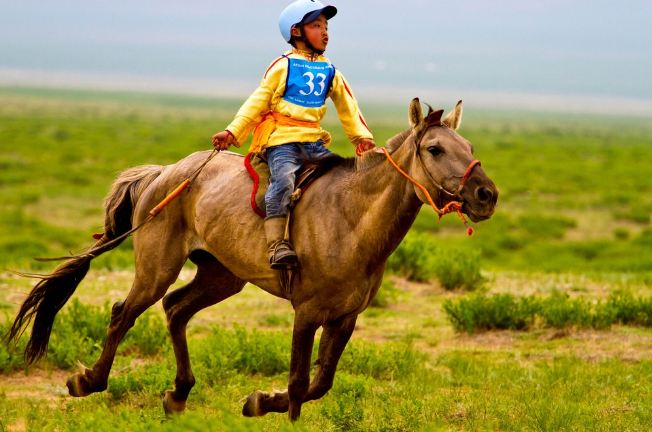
{"x":316,"y":32}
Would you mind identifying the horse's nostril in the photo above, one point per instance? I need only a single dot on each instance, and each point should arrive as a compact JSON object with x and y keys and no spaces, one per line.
{"x":484,"y":194}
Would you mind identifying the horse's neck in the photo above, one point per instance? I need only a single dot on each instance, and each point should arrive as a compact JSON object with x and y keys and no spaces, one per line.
{"x":385,"y":205}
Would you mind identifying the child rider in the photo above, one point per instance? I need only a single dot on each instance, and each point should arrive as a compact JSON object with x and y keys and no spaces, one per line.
{"x":284,"y":113}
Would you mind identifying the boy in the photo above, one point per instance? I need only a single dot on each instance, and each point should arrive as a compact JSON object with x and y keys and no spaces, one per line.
{"x":285,"y":110}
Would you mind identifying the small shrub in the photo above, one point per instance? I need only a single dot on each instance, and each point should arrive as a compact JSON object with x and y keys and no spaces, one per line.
{"x":645,"y":238}
{"x":78,"y":334}
{"x":123,"y":384}
{"x":80,"y":331}
{"x":419,"y":259}
{"x":626,"y":307}
{"x":387,"y":294}
{"x":11,"y":356}
{"x":512,"y":242}
{"x":149,"y":336}
{"x":539,"y":226}
{"x":386,"y":361}
{"x":560,"y":311}
{"x":146,"y":379}
{"x":629,"y":310}
{"x":645,"y":312}
{"x":344,"y":406}
{"x":228,"y":351}
{"x":621,"y":233}
{"x":504,"y":311}
{"x":260,"y":352}
{"x":276,"y":320}
{"x":589,"y":250}
{"x":604,"y":316}
{"x":412,"y":258}
{"x":635,"y":214}
{"x":457,"y":268}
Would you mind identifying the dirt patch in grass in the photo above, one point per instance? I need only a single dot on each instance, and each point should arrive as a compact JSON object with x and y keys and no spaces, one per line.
{"x":575,"y":285}
{"x":620,"y":343}
{"x":47,"y":385}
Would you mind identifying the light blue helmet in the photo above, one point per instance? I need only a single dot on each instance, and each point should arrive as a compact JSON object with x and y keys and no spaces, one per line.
{"x":302,"y":11}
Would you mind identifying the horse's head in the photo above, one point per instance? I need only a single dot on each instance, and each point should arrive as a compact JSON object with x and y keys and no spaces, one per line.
{"x":445,"y":165}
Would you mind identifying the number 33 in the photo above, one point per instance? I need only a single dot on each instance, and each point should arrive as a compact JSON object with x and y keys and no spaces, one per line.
{"x":321,"y":79}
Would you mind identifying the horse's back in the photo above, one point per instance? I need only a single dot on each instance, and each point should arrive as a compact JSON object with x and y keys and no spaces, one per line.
{"x":221,"y":189}
{"x":222,"y":175}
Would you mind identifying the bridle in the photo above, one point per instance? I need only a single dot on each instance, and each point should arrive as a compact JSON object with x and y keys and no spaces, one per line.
{"x":463,"y":179}
{"x":454,"y":206}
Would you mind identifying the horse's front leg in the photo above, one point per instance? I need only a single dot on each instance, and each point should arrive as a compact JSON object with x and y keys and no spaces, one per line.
{"x":260,"y":403}
{"x":334,"y":338}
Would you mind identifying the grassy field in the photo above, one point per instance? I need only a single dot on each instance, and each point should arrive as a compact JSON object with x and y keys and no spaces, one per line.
{"x":573,"y":220}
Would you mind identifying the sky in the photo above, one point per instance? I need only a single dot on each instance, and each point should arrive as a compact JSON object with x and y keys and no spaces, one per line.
{"x":572,"y":53}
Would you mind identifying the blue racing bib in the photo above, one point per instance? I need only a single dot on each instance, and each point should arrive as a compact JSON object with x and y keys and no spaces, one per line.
{"x":308,"y":82}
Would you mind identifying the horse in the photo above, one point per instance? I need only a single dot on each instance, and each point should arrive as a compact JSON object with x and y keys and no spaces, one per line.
{"x":346,"y":226}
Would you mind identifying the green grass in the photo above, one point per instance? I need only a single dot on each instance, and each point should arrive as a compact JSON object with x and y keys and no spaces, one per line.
{"x":378,"y":388}
{"x":456,"y":390}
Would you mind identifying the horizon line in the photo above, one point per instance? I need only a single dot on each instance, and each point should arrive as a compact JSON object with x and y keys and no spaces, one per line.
{"x":234,"y":89}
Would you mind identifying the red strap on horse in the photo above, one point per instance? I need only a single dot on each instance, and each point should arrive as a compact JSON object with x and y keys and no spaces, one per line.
{"x":254,"y":176}
{"x":467,"y":174}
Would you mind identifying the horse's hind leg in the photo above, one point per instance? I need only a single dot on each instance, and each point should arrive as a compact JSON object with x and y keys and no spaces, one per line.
{"x":337,"y":336}
{"x":212,"y":284}
{"x":157,"y":267}
{"x":334,"y":338}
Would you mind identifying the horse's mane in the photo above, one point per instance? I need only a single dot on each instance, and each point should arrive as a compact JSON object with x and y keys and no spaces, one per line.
{"x":366,"y":161}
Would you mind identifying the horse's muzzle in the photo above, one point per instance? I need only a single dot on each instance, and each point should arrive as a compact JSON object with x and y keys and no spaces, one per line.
{"x":483,"y":203}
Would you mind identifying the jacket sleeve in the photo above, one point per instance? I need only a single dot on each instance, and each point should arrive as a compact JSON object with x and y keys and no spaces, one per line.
{"x":348,"y":111}
{"x":258,"y":103}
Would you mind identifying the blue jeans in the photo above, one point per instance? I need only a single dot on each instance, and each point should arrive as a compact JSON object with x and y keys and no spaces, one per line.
{"x":284,"y":162}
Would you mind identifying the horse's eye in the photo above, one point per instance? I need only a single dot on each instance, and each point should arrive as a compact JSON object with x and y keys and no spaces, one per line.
{"x":436,"y":150}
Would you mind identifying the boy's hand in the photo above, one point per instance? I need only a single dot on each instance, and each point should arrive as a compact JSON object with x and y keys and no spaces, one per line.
{"x":222,"y":140}
{"x":364,"y":144}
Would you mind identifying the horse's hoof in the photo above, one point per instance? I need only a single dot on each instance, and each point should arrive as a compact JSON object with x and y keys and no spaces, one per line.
{"x":76,"y":386}
{"x":171,"y":406}
{"x":251,"y":407}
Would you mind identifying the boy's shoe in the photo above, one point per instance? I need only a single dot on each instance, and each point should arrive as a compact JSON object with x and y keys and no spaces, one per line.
{"x":282,"y":256}
{"x":279,"y":251}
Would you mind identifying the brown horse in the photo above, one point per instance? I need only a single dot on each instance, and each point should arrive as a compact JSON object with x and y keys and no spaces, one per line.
{"x":347,"y":225}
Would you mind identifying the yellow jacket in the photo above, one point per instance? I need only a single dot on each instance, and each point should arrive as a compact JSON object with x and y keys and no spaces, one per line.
{"x":286,"y":122}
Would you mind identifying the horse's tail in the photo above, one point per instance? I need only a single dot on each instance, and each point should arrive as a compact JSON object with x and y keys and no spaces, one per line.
{"x":52,"y":292}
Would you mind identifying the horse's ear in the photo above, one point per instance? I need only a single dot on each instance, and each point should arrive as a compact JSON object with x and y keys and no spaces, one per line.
{"x":415,"y":115}
{"x":454,"y":118}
